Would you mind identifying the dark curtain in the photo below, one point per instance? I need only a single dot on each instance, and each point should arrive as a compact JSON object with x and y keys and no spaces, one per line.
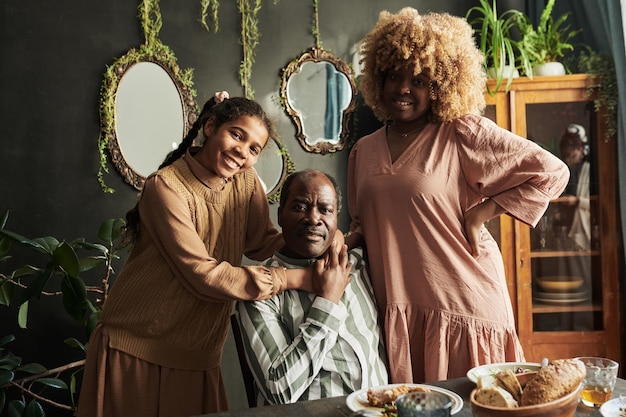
{"x":334,"y":94}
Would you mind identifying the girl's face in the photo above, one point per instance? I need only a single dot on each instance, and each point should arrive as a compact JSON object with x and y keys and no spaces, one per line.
{"x":406,"y":96}
{"x":234,"y":146}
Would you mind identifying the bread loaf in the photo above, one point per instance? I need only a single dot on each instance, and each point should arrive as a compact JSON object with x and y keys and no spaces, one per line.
{"x":556,"y":380}
{"x":495,"y":397}
{"x":509,"y":381}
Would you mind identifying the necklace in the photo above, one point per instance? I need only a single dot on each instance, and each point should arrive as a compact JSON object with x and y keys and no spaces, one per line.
{"x":222,"y":184}
{"x":412,"y":131}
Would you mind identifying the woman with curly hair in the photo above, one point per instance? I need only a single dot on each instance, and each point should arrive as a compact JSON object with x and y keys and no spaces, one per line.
{"x":420,"y":189}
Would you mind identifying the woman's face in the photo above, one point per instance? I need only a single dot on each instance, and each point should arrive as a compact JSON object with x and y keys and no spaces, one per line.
{"x":406,"y":96}
{"x":573,"y":156}
{"x":234,"y":146}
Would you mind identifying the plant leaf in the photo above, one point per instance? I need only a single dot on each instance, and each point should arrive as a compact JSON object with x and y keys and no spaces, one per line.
{"x":111,"y":229}
{"x":9,"y":361}
{"x":92,"y":246}
{"x":7,"y":290}
{"x":38,"y":284}
{"x":32,"y":368}
{"x":6,"y":376}
{"x":52,"y":382}
{"x":5,"y":245}
{"x":16,"y":408}
{"x":65,"y":256}
{"x":3,"y":222}
{"x":74,"y":297}
{"x":87,"y":264}
{"x":22,"y":315}
{"x":25,"y":271}
{"x":70,"y":341}
{"x":34,"y":409}
{"x":23,"y":241}
{"x":6,"y":339}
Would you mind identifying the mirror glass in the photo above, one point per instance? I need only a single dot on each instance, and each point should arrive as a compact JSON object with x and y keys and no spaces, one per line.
{"x":319,"y":94}
{"x":149,"y":117}
{"x":273,"y":166}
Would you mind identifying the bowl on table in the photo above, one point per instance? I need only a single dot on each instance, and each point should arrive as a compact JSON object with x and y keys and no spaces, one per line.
{"x":561,"y":407}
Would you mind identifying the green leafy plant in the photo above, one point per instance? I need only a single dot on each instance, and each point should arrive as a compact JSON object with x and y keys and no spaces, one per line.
{"x":496,"y":42}
{"x":550,"y":40}
{"x":603,"y":87}
{"x":23,"y":386}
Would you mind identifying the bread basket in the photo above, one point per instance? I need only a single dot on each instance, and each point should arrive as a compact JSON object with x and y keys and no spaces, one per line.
{"x":561,"y":407}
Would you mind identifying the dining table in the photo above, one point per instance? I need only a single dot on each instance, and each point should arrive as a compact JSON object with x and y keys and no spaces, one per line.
{"x":338,"y":407}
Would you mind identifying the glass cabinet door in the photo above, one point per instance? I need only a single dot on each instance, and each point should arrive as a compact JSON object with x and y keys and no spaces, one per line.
{"x":563,"y":275}
{"x":565,"y":272}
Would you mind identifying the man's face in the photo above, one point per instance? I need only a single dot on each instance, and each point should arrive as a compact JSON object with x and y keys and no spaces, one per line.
{"x":309,"y":217}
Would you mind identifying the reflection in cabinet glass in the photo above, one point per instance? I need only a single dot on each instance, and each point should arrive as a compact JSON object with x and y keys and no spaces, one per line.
{"x":563,"y":274}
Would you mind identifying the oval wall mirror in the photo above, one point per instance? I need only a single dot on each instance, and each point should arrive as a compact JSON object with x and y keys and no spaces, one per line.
{"x":319,"y":94}
{"x":147,"y":108}
{"x":273,"y":167}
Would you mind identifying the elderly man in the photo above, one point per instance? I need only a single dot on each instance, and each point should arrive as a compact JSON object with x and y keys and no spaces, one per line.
{"x":305,"y":346}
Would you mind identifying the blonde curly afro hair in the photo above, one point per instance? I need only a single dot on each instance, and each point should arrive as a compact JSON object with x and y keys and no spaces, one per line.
{"x":438,"y":42}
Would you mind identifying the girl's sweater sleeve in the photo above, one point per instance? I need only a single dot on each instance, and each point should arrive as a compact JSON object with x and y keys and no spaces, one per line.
{"x":166,"y":218}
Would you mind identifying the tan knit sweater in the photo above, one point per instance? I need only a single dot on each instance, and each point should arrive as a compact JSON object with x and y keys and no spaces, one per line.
{"x":171,"y":303}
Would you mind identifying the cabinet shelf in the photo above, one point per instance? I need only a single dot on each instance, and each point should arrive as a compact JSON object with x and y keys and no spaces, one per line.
{"x":563,"y":254}
{"x":539,"y":308}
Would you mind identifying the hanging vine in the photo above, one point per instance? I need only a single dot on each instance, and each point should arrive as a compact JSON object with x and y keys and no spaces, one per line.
{"x":204,"y":7}
{"x":315,"y":29}
{"x":249,"y":41}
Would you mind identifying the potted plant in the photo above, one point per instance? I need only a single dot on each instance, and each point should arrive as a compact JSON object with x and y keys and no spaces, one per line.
{"x":503,"y":54}
{"x":25,"y":388}
{"x":546,"y":43}
{"x":603,"y":87}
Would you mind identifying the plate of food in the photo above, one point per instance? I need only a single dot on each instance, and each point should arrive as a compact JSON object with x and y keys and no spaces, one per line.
{"x":614,"y":408}
{"x":382,"y":399}
{"x":493,"y":368}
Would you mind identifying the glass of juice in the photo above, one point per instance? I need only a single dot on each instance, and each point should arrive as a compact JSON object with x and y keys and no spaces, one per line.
{"x":599,"y":381}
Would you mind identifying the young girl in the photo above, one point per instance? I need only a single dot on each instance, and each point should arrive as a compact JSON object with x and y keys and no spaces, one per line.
{"x":157,"y":348}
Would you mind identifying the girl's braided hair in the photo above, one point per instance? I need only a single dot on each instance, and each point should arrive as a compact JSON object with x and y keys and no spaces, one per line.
{"x":220,"y":111}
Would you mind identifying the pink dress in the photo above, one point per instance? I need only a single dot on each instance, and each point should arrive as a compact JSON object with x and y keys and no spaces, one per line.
{"x":445,"y":311}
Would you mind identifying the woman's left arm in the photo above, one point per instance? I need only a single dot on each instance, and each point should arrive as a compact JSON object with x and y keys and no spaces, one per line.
{"x":475,"y":219}
{"x":516,"y":173}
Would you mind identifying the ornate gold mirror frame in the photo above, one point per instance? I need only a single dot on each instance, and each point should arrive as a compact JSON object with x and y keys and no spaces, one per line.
{"x":319,"y":94}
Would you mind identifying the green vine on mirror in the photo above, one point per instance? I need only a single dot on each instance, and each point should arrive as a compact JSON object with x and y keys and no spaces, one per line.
{"x":149,"y":15}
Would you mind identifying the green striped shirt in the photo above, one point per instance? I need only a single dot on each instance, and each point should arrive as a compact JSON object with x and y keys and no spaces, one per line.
{"x":302,"y":347}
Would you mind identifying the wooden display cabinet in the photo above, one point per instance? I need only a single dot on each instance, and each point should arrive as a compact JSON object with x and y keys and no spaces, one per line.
{"x":580,"y":321}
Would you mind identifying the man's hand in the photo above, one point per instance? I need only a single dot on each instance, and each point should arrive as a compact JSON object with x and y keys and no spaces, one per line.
{"x":331,"y":273}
